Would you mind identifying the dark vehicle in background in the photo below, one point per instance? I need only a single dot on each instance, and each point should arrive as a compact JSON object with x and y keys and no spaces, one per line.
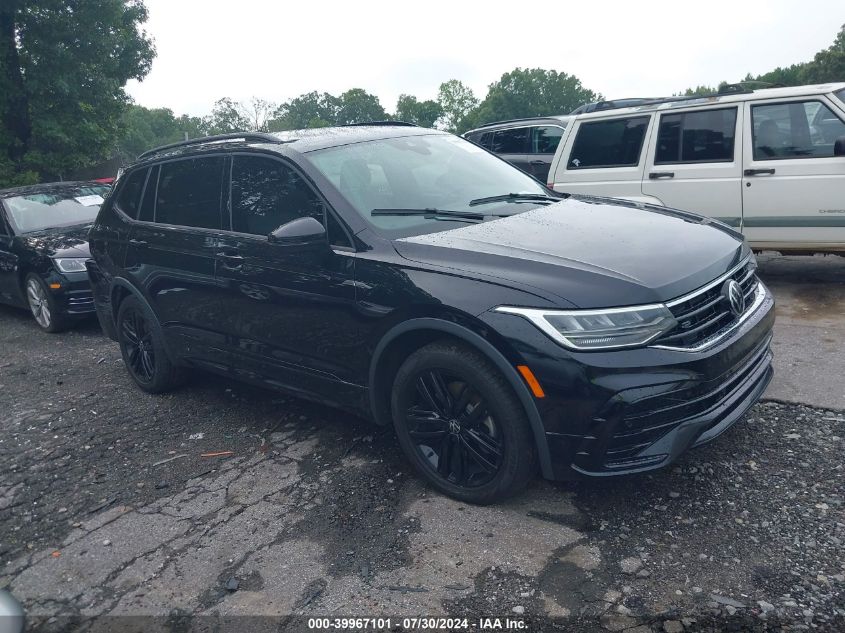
{"x":529,"y":144}
{"x":412,"y":277}
{"x":43,"y":248}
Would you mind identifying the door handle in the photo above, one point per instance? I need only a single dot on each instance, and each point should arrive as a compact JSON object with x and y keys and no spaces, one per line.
{"x":230,"y":256}
{"x":538,"y":162}
{"x":661,"y":174}
{"x":135,"y":242}
{"x":758,"y":172}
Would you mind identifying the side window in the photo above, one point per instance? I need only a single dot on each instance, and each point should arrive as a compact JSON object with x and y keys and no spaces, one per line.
{"x":147,"y":213}
{"x":188,"y":193}
{"x":337,"y":236}
{"x":267,"y":194}
{"x":486,"y":140}
{"x":3,"y":230}
{"x":545,"y":139}
{"x":513,"y":141}
{"x":614,"y":143}
{"x":804,"y":129}
{"x":475,"y":137}
{"x":129,"y":196}
{"x":705,"y":136}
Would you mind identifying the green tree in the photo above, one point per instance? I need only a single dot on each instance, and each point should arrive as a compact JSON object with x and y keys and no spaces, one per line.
{"x":422,"y":113}
{"x":457,"y":101}
{"x":828,"y":65}
{"x":227,"y":116}
{"x":359,"y":106}
{"x":145,"y":128}
{"x":312,"y":109}
{"x":63,"y":68}
{"x":532,"y":92}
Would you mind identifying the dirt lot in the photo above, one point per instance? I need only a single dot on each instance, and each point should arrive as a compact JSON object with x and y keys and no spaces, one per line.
{"x":108,"y":506}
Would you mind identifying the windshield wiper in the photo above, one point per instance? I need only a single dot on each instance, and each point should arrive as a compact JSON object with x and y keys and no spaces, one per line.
{"x":515,"y":197}
{"x":434,"y":214}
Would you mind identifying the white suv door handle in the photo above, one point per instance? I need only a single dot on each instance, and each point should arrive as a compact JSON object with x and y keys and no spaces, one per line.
{"x":758,"y":172}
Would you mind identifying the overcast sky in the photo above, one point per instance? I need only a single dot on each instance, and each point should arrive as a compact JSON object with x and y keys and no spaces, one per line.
{"x":276,"y":50}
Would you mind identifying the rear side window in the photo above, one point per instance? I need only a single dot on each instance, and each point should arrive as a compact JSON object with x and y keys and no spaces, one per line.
{"x":614,"y":143}
{"x":706,"y":136}
{"x":803,"y":129}
{"x":545,"y":139}
{"x":189,"y":193}
{"x":147,"y":213}
{"x":267,"y":194}
{"x":513,"y":141}
{"x":130,"y":193}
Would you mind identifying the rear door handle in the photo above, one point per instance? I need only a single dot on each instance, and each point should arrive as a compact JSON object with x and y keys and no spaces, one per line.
{"x":231,"y":260}
{"x":135,"y":242}
{"x":758,"y":172}
{"x":661,"y":174}
{"x":538,"y":162}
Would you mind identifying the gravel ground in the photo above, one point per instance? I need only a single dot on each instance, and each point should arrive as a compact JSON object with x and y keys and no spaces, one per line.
{"x":112,"y":502}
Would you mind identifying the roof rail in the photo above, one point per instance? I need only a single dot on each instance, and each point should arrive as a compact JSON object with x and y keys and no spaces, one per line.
{"x":520,"y":120}
{"x":365,"y":123}
{"x":262,"y":137}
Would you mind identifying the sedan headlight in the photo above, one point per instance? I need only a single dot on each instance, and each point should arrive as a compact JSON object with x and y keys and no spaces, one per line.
{"x":70,"y":264}
{"x":600,"y":329}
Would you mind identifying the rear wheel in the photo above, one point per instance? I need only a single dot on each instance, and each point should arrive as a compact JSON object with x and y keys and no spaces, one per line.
{"x":43,"y":305}
{"x":461,"y":425}
{"x":142,"y":348}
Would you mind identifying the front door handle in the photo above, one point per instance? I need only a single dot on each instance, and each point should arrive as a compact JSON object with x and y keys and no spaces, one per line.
{"x":758,"y":172}
{"x":661,"y":174}
{"x":538,"y":162}
{"x":135,"y":242}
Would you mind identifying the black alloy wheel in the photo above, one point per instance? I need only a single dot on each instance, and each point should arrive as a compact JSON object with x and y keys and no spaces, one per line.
{"x":460,"y":423}
{"x":142,"y":348}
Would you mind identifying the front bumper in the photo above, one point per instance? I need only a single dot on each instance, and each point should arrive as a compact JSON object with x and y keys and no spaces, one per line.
{"x":625,"y":411}
{"x":74,"y":297}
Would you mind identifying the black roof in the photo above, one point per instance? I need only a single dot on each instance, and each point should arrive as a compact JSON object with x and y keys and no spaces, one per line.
{"x":305,"y":140}
{"x":49,"y":187}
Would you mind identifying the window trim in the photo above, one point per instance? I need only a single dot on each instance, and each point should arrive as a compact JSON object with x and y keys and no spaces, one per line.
{"x":581,"y":124}
{"x":733,"y":159}
{"x":308,"y":182}
{"x":531,"y":136}
{"x":763,"y":104}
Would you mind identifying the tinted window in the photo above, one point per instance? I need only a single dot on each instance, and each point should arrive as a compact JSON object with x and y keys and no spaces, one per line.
{"x":545,"y":139}
{"x":807,"y":129}
{"x":148,"y":203}
{"x":337,"y":236}
{"x":615,"y":143}
{"x":841,"y":95}
{"x":3,"y":230}
{"x":706,"y":136}
{"x":267,"y":194}
{"x":486,"y":140}
{"x":475,"y":137}
{"x":189,"y":193}
{"x":513,"y":141}
{"x":130,"y":193}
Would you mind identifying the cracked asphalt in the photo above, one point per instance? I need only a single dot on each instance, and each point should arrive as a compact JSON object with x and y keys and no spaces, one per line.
{"x":222,"y":500}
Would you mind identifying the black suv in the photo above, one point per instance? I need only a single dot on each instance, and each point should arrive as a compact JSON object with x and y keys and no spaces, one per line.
{"x":529,"y":144}
{"x":410,"y":276}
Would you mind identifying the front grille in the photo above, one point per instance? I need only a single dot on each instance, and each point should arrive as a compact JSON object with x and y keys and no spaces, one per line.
{"x":80,"y":302}
{"x":704,"y":314}
{"x":647,"y":420}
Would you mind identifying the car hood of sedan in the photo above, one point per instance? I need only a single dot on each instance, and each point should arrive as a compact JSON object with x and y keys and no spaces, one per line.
{"x":70,"y":241}
{"x":591,"y":252}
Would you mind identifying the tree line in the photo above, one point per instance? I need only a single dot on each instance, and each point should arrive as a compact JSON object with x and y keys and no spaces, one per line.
{"x":64,"y":65}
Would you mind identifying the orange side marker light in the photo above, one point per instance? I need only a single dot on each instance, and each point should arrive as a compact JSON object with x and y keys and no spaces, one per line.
{"x":55,"y":286}
{"x":536,"y":389}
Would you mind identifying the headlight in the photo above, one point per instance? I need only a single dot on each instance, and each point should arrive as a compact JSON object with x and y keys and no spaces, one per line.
{"x":70,"y":264}
{"x":600,"y":329}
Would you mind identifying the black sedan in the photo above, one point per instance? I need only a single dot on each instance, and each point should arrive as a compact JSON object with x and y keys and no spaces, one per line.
{"x":43,"y":248}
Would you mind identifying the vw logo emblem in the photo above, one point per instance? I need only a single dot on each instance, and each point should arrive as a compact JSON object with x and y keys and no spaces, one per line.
{"x":732,"y":291}
{"x":454,"y":427}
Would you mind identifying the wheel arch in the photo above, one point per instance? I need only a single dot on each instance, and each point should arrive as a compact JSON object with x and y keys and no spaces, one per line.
{"x":122,"y":288}
{"x":417,"y":332}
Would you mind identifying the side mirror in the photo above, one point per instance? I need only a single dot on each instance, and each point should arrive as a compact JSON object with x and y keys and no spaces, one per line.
{"x":300,"y":231}
{"x":839,"y":146}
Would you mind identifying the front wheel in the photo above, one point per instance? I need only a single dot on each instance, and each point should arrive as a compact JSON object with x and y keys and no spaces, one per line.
{"x":142,"y":347}
{"x":42,"y":304}
{"x":461,"y":425}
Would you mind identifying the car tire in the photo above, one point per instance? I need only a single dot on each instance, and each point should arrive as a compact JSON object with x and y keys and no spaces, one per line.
{"x":143,"y":348}
{"x":43,"y":305}
{"x":461,"y":425}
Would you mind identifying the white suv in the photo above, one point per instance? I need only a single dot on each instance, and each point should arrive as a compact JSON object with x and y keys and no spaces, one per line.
{"x":770,"y":162}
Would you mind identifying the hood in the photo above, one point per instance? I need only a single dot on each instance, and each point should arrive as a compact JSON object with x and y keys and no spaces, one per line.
{"x":69,"y":241}
{"x":590,"y":252}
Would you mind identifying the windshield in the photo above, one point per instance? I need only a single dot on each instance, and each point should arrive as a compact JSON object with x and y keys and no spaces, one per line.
{"x":421,"y":172}
{"x":62,"y":206}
